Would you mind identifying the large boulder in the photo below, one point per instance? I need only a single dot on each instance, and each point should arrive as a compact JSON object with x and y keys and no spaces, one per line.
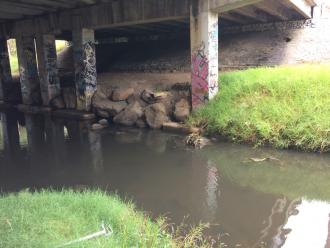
{"x":102,"y":113}
{"x":103,"y":105}
{"x":104,"y":91}
{"x":141,"y":123}
{"x":122,"y":94}
{"x":167,"y":99}
{"x":156,"y":115}
{"x":130,"y":115}
{"x":136,"y":97}
{"x":104,"y":122}
{"x":151,"y":97}
{"x":182,"y":110}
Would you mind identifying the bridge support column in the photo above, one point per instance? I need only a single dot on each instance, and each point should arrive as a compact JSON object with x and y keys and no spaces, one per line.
{"x":85,"y":67}
{"x":47,"y":65}
{"x":204,"y":52}
{"x":28,"y":70}
{"x":5,"y":72}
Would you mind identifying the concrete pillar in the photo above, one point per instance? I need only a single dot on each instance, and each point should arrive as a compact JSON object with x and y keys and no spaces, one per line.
{"x":28,"y":70}
{"x":47,"y":65}
{"x":85,"y":67}
{"x":5,"y":72}
{"x":204,"y":52}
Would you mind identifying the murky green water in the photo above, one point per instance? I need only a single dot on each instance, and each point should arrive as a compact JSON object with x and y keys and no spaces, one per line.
{"x":275,"y":203}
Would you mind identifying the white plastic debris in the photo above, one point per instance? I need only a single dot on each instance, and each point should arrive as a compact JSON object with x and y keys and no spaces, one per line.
{"x":106,"y":230}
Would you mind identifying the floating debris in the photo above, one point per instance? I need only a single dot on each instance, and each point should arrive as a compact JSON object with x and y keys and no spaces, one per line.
{"x":196,"y":141}
{"x":257,"y":160}
{"x":106,"y":231}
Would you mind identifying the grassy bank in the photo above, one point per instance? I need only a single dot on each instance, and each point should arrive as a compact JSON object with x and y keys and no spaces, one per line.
{"x":51,"y":219}
{"x":286,"y":107}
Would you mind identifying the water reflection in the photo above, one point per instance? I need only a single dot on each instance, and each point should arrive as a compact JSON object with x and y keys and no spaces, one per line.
{"x":309,"y":226}
{"x":263,"y":205}
{"x":10,"y":135}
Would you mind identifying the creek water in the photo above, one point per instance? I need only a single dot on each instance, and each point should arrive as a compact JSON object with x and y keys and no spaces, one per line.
{"x":282,"y":202}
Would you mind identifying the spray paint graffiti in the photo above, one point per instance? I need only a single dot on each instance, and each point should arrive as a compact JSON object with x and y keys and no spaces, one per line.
{"x":85,"y":73}
{"x":50,"y":83}
{"x":213,"y":57}
{"x":28,"y":71}
{"x":205,"y":68}
{"x":200,"y":73}
{"x":89,"y":61}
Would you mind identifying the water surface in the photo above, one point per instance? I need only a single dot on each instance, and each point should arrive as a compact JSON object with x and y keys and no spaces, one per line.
{"x":275,"y":203}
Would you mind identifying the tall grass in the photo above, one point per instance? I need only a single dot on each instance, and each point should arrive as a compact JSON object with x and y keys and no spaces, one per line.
{"x":287,"y":107}
{"x":51,"y":219}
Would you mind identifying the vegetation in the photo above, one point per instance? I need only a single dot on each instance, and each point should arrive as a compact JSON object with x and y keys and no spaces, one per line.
{"x":60,"y":45}
{"x":286,"y":107}
{"x":51,"y":219}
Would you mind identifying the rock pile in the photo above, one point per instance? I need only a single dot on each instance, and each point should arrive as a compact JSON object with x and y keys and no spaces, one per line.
{"x":146,"y":108}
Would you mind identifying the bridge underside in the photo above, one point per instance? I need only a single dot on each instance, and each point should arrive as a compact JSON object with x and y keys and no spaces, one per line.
{"x":35,"y":24}
{"x":32,"y":16}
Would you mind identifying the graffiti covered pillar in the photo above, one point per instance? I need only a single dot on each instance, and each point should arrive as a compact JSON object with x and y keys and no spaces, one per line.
{"x":47,"y":65}
{"x":5,"y":72}
{"x":28,"y":71}
{"x":204,"y":52}
{"x":85,"y":66}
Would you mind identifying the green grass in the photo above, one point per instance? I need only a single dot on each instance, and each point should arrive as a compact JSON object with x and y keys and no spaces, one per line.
{"x":49,"y":219}
{"x":286,"y":107}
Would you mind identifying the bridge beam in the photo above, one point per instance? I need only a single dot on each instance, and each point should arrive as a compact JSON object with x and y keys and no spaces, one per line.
{"x":47,"y":66}
{"x":227,"y":5}
{"x":28,"y":71}
{"x":85,"y":66}
{"x":301,"y":6}
{"x":5,"y":72}
{"x":204,"y":52}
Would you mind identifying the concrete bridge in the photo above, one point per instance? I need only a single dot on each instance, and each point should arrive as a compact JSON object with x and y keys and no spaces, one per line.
{"x":36,"y":24}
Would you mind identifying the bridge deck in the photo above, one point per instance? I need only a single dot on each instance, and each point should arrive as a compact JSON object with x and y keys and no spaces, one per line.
{"x":17,"y":16}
